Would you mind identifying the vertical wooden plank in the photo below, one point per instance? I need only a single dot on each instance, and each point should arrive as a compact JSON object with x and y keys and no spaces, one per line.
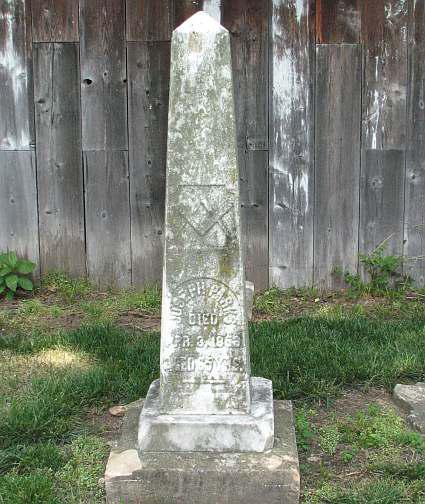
{"x":337,"y":153}
{"x":148,"y":67}
{"x":247,"y":21}
{"x":59,"y":162}
{"x":107,"y":218}
{"x":184,"y":9}
{"x":150,"y":20}
{"x":103,"y":74}
{"x":16,"y":96}
{"x":292,"y":145}
{"x":213,"y":8}
{"x":338,"y":21}
{"x":18,"y":205}
{"x":55,"y":20}
{"x":384,"y":33}
{"x":414,"y":232}
{"x":382,"y":200}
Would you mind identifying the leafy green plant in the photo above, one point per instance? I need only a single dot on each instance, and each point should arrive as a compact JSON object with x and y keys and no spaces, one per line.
{"x":383,"y":271}
{"x":329,"y":439}
{"x":304,"y":431}
{"x":348,"y":456}
{"x":14,"y":274}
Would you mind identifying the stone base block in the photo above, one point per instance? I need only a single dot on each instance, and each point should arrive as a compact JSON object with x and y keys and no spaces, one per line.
{"x":412,"y":399}
{"x":271,"y":477}
{"x":218,"y":433}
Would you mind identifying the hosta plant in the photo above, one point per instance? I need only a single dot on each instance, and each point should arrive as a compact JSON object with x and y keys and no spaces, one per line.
{"x":14,"y":274}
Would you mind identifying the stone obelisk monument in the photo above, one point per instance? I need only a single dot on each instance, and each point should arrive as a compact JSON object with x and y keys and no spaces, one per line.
{"x":206,"y":399}
{"x":208,"y":432}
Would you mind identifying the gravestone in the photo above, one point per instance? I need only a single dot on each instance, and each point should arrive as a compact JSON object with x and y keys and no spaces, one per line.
{"x":206,"y":431}
{"x":205,"y":380}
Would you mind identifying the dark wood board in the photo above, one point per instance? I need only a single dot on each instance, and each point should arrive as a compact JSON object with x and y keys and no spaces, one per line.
{"x":55,"y":20}
{"x":59,"y":160}
{"x":382,"y":201}
{"x":107,"y":218}
{"x":16,"y":86}
{"x":18,"y":205}
{"x":414,"y":232}
{"x":384,"y":34}
{"x":338,"y":21}
{"x":184,"y":9}
{"x":291,"y":144}
{"x":337,"y":158}
{"x":149,"y":75}
{"x":150,"y":20}
{"x":103,"y":75}
{"x":247,"y":21}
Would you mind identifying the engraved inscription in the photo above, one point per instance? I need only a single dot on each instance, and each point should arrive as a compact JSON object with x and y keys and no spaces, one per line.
{"x":207,"y":344}
{"x":208,"y":364}
{"x":208,"y":211}
{"x":205,"y":303}
{"x":213,"y":340}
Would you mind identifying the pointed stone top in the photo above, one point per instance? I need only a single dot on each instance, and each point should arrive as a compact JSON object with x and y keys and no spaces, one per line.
{"x":201,"y":22}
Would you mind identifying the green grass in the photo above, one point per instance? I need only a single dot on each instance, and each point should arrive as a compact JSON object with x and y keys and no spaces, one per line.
{"x":61,"y":300}
{"x":316,"y":357}
{"x":375,"y":445}
{"x":50,"y":453}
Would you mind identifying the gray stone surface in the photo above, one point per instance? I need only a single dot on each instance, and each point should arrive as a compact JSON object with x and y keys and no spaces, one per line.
{"x":412,"y":399}
{"x":205,"y":365}
{"x":204,"y":349}
{"x":271,"y":477}
{"x":221,"y":433}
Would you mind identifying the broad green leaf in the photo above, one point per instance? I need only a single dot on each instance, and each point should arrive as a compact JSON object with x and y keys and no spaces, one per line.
{"x":2,"y":288}
{"x":25,"y":283}
{"x":12,"y":282}
{"x":10,"y":295}
{"x":1,"y":280}
{"x":24,"y":267}
{"x":12,"y":259}
{"x":5,"y":270}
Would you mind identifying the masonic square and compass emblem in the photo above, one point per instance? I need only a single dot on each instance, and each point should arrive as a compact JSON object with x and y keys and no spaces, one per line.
{"x":207,"y":212}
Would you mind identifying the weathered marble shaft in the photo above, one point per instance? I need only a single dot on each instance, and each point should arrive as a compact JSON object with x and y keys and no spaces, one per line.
{"x":204,"y":338}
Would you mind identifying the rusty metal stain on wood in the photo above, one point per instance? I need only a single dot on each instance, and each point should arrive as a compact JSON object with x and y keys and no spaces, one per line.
{"x":150,"y":20}
{"x":59,"y":162}
{"x":16,"y":86}
{"x":338,"y":21}
{"x":55,"y":20}
{"x":18,"y":205}
{"x":103,"y":75}
{"x":291,"y":141}
{"x":384,"y":35}
{"x":337,"y":154}
{"x":247,"y":20}
{"x":149,"y":72}
{"x":107,"y":218}
{"x":414,"y":231}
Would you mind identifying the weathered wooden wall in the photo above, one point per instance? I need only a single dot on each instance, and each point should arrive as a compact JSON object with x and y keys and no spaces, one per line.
{"x":330,"y":107}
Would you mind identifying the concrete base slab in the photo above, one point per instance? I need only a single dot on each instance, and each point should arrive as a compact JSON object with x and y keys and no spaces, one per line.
{"x":412,"y":399}
{"x":218,"y":433}
{"x":271,"y":477}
